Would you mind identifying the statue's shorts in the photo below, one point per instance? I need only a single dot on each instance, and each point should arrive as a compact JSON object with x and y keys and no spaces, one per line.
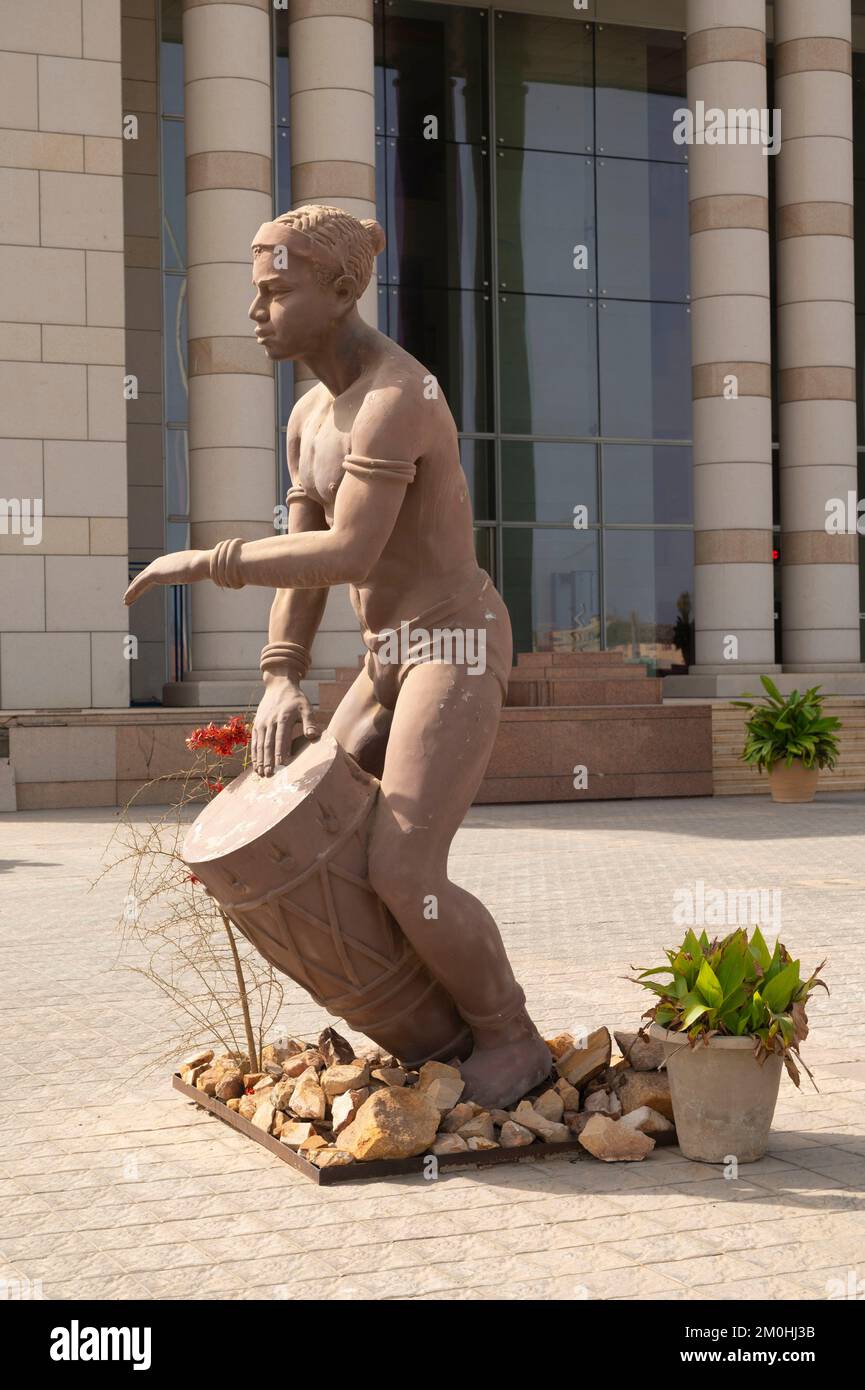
{"x":470,"y":631}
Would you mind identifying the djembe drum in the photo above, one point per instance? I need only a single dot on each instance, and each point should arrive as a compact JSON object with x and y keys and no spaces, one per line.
{"x":286,"y":859}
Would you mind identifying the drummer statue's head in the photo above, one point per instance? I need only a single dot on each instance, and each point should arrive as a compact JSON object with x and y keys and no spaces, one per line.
{"x":310,"y":268}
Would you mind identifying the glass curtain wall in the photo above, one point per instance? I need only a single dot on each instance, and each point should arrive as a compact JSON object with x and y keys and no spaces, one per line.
{"x":537,"y":262}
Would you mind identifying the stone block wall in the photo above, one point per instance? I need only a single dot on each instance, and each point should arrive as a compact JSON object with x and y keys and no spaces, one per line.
{"x":63,"y":501}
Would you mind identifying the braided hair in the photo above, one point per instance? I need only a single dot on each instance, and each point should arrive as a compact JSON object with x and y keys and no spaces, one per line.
{"x":353,"y":242}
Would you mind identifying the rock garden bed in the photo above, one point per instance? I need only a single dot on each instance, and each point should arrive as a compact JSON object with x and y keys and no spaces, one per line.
{"x":337,"y":1113}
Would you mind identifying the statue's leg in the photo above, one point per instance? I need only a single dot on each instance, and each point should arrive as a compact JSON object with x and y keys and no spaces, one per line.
{"x":441,"y":737}
{"x":361,"y":724}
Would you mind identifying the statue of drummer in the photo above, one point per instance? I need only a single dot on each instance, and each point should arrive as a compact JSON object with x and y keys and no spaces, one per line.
{"x":379,"y":502}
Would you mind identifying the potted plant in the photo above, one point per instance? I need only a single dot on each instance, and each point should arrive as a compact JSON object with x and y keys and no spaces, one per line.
{"x":730,"y":1015}
{"x":790,"y":738}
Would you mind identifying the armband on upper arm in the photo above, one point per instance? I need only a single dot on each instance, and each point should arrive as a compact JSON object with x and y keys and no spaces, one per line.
{"x":390,"y":470}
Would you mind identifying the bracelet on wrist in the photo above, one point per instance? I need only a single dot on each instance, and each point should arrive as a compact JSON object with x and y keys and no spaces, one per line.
{"x":288,"y":659}
{"x":225,"y":564}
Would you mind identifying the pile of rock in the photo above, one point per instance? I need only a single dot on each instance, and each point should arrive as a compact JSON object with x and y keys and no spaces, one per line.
{"x":336,"y":1105}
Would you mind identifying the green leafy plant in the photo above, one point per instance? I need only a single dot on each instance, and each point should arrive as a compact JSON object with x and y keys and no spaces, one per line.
{"x":790,"y":728}
{"x":734,"y":987}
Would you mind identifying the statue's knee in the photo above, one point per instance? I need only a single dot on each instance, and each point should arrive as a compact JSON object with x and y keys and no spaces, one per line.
{"x":395,"y":874}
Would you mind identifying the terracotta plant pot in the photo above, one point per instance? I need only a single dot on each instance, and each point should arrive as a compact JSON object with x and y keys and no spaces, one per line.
{"x":723,"y":1098}
{"x":794,"y":783}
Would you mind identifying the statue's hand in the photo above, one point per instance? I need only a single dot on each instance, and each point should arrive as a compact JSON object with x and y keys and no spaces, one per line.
{"x":284,"y":705}
{"x":178,"y":567}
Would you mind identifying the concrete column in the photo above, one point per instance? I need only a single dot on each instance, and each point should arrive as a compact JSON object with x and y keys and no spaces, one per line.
{"x":332,"y":134}
{"x":332,"y":113}
{"x":729,"y":222}
{"x":816,"y":333}
{"x":232,"y":459}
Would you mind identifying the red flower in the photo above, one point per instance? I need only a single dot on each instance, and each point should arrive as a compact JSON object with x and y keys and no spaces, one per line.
{"x":235,"y":734}
{"x":215,"y":786}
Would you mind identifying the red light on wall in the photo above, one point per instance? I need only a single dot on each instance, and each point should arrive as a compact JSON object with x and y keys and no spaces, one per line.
{"x":776,"y":554}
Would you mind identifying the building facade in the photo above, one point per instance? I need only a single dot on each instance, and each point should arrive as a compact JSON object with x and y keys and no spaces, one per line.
{"x":650,"y":343}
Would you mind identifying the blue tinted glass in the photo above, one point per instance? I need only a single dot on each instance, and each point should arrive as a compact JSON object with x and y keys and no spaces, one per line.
{"x":381,"y":161}
{"x":436,"y":214}
{"x":175,"y":348}
{"x":550,"y":584}
{"x":643,"y":250}
{"x":171,"y":78}
{"x":645,"y":356}
{"x":173,"y":196}
{"x":640,"y":78}
{"x":285,"y":388}
{"x":176,"y":535}
{"x":478,"y":460}
{"x":435,"y":66}
{"x":281,"y":74}
{"x":380,"y":71}
{"x":544,"y":97}
{"x":546,"y":222}
{"x":548,"y":482}
{"x":285,"y":404}
{"x":548,"y":367}
{"x":648,"y":595}
{"x":282,"y":150}
{"x":449,"y":332}
{"x":176,"y":473}
{"x":648,"y":483}
{"x":485,"y":550}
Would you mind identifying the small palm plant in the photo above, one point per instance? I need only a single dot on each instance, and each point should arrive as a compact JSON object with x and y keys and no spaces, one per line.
{"x":782,"y":730}
{"x":735,"y":988}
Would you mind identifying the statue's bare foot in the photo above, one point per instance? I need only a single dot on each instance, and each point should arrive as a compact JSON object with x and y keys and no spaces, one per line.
{"x":498,"y":1076}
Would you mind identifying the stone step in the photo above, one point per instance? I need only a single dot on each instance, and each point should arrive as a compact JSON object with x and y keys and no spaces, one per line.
{"x":641,"y":751}
{"x":526,"y":659}
{"x":315,"y":673}
{"x":635,"y":672}
{"x":572,"y":694}
{"x":578,"y":692}
{"x":245,"y":693}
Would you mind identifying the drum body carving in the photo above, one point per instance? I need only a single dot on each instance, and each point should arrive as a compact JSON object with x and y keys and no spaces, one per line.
{"x":300,"y":837}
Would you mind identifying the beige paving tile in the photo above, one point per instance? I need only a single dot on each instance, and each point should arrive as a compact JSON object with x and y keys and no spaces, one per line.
{"x":663,"y":1230}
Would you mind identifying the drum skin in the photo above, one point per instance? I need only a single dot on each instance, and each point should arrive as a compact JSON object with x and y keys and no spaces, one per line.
{"x":286,"y":859}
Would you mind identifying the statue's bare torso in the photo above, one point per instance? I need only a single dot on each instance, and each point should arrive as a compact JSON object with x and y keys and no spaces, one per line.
{"x":430,"y":553}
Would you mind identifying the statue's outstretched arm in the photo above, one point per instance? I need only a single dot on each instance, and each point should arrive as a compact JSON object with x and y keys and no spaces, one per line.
{"x":378,"y":471}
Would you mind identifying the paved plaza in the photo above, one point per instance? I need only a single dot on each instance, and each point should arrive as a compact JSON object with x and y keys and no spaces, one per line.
{"x":112,"y":1186}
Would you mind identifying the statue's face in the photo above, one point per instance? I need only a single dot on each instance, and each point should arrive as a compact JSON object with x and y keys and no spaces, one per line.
{"x":292,"y":311}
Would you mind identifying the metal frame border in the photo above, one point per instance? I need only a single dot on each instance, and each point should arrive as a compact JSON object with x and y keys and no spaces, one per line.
{"x":377,"y":1168}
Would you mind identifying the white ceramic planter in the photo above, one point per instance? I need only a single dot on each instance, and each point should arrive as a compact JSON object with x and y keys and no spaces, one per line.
{"x":723,"y":1098}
